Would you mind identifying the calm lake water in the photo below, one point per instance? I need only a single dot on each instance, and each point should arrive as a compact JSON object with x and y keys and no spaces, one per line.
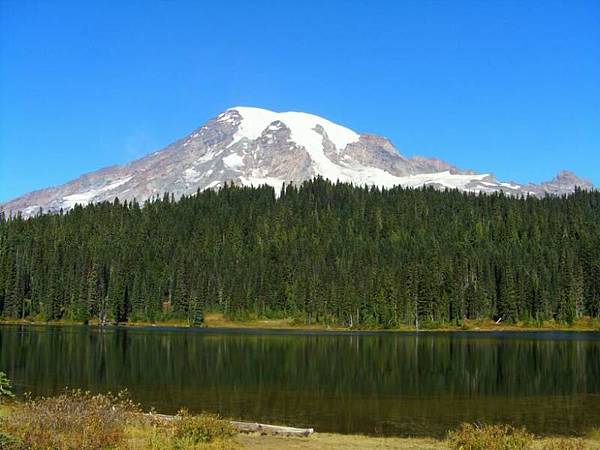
{"x":385,"y":383}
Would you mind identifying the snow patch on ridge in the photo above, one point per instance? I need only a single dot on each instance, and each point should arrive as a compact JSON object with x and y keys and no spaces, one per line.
{"x":302,"y":127}
{"x":191,"y":175}
{"x":446,"y":179}
{"x":83,"y":198}
{"x":233,"y":161}
{"x":255,"y":181}
{"x":30,"y":210}
{"x":372,"y":176}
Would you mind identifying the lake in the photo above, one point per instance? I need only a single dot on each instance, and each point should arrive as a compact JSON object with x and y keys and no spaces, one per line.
{"x":418,"y":384}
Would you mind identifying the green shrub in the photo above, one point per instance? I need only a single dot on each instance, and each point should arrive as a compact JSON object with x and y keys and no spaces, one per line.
{"x":9,"y":442}
{"x":594,"y":434}
{"x":205,"y":428}
{"x":5,"y":388}
{"x":489,"y":437}
{"x":75,"y":420}
{"x":195,"y":313}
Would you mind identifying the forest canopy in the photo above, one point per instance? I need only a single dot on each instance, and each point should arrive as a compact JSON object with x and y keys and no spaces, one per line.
{"x":322,"y":252}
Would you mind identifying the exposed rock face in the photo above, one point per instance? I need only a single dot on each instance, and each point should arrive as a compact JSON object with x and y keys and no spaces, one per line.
{"x":563,"y":183}
{"x":252,"y":146}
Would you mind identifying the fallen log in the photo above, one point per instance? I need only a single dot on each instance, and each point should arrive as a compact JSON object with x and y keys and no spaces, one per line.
{"x":255,"y":427}
{"x":246,"y":427}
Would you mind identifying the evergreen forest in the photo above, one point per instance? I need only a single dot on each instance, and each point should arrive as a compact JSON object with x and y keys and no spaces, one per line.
{"x":322,"y":253}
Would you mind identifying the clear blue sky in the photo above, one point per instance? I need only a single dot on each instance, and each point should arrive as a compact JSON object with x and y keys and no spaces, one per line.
{"x":511,"y":87}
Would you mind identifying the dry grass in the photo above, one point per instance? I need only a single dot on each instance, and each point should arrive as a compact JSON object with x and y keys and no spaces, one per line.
{"x":74,"y":420}
{"x":582,"y":324}
{"x":326,"y":441}
{"x":218,"y":320}
{"x":564,"y":444}
{"x":79,"y":420}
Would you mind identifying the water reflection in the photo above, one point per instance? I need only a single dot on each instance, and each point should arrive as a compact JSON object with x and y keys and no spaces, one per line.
{"x":373,"y":383}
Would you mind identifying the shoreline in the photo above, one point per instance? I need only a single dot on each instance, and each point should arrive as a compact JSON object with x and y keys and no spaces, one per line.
{"x":217,"y":322}
{"x":332,"y":441}
{"x":138,"y":436}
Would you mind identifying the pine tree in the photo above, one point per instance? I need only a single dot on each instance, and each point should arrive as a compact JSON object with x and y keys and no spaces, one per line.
{"x":507,"y":297}
{"x":195,"y":312}
{"x":327,"y":253}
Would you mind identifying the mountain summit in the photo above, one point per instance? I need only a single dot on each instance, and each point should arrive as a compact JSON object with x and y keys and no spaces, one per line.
{"x":253,"y":146}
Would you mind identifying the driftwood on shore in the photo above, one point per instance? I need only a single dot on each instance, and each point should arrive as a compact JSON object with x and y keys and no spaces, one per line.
{"x":246,"y":427}
{"x":250,"y":427}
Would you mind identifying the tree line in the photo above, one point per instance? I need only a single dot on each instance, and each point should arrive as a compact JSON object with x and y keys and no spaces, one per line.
{"x":322,"y":252}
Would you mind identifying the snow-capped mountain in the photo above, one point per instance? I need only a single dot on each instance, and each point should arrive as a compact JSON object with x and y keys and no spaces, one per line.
{"x":253,"y":146}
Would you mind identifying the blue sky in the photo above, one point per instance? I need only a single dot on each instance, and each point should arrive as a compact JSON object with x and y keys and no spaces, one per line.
{"x":511,"y":87}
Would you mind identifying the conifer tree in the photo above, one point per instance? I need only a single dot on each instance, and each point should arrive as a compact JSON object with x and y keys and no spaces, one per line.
{"x":195,"y":312}
{"x":320,"y":252}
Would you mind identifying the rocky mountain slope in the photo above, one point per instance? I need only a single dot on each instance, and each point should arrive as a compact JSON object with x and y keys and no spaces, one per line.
{"x":252,"y":146}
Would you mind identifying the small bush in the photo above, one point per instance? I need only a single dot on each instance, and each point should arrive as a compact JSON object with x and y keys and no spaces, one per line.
{"x":593,"y":434}
{"x":205,"y":428}
{"x":184,"y":432}
{"x":158,"y":440}
{"x":9,"y":442}
{"x":74,"y":420}
{"x":5,"y":389}
{"x":489,"y":437}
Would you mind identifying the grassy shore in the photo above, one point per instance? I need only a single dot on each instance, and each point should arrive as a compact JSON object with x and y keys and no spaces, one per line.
{"x":218,"y":320}
{"x":322,"y":441}
{"x":329,"y":441}
{"x":101,"y":418}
